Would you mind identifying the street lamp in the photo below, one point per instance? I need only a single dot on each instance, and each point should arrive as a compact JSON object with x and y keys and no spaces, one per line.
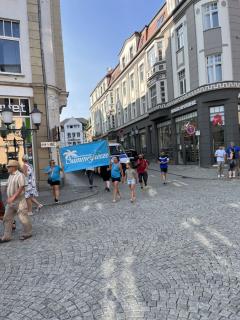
{"x":7,"y":118}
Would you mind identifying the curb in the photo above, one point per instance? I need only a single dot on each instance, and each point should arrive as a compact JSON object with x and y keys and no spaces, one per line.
{"x":186,"y":177}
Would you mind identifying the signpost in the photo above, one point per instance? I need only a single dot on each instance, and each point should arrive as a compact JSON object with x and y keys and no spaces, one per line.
{"x":49,"y":144}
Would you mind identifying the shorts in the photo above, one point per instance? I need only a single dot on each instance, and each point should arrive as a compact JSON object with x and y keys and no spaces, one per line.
{"x":131,"y":182}
{"x":164,"y":170}
{"x":232,"y":165}
{"x":54,"y":183}
{"x":116,"y":179}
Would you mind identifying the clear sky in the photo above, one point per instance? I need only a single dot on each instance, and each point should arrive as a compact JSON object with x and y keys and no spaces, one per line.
{"x":93,"y":34}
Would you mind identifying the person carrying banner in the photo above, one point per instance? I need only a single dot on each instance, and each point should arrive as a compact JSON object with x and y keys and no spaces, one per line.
{"x":54,"y":179}
{"x":116,"y":175}
{"x":90,"y":175}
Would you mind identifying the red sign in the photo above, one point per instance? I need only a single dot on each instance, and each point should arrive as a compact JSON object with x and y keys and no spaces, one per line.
{"x":217,"y":120}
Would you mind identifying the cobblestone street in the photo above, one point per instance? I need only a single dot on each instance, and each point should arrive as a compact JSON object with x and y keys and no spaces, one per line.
{"x":174,"y":254}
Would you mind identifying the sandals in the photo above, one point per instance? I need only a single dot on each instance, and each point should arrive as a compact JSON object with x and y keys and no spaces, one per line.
{"x":4,"y":240}
{"x":25,"y":237}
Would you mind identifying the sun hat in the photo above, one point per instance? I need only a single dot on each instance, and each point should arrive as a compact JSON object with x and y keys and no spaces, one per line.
{"x":13,"y":163}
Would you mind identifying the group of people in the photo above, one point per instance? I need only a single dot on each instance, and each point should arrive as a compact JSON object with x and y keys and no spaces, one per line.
{"x":231,"y":156}
{"x":127,"y":173}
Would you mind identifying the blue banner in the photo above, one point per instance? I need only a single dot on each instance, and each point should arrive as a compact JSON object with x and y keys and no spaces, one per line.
{"x":82,"y":156}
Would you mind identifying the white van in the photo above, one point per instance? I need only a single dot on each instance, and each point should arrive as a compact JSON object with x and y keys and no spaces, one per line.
{"x":116,"y":149}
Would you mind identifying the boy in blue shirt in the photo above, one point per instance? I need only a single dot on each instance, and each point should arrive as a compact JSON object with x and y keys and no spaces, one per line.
{"x":163,"y":160}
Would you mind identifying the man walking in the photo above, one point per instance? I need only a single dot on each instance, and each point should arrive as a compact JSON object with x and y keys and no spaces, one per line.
{"x":16,"y":203}
{"x":142,"y":168}
{"x":233,"y":149}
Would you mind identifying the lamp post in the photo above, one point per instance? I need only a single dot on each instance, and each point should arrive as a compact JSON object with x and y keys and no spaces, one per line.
{"x":7,"y":118}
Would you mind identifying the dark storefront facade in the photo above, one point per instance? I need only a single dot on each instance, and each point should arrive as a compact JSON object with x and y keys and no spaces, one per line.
{"x":189,"y":131}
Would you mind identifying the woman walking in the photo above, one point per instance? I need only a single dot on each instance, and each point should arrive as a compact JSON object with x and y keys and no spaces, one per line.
{"x":54,"y":179}
{"x":131,"y":176}
{"x":31,"y":188}
{"x":105,"y":173}
{"x":116,"y":175}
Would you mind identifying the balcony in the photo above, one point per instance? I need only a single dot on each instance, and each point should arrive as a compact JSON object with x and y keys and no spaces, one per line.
{"x":159,"y":68}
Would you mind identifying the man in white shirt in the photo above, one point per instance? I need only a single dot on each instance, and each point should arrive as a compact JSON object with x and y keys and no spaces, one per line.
{"x":220,"y":155}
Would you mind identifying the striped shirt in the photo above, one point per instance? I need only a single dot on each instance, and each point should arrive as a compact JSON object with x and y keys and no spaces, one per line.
{"x":16,"y":180}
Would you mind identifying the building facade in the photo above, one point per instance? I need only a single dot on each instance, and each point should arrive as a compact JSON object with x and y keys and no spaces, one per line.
{"x":73,"y":131}
{"x":31,"y":71}
{"x":177,"y":85}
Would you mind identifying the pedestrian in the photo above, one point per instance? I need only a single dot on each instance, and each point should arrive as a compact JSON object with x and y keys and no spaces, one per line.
{"x":54,"y":179}
{"x":116,"y":175}
{"x":90,"y":175}
{"x":31,"y":188}
{"x":236,"y":150}
{"x":232,"y":164}
{"x":142,"y":170}
{"x":131,"y":177}
{"x":163,"y":161}
{"x":16,"y":203}
{"x":105,"y":173}
{"x":220,"y":156}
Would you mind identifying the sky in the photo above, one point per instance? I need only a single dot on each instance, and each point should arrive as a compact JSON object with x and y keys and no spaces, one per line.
{"x":93,"y":34}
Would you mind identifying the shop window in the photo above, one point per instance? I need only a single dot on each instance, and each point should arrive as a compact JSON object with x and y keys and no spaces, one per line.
{"x":143,"y":143}
{"x":214,"y":68}
{"x":165,"y":138}
{"x":182,"y":82}
{"x":10,"y":60}
{"x":210,"y":15}
{"x":153,"y":96}
{"x":217,"y":121}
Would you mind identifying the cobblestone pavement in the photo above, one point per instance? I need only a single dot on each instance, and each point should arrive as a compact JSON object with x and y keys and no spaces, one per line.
{"x":174,"y":254}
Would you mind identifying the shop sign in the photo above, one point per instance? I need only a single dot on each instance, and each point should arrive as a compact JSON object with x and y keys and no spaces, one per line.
{"x":184,"y":106}
{"x":48,"y":144}
{"x":190,"y":129}
{"x":19,"y":107}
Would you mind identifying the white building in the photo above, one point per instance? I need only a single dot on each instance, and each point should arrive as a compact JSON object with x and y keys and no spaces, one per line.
{"x":73,"y":131}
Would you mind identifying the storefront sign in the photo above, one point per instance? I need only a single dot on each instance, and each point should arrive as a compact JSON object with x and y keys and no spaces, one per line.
{"x":48,"y":144}
{"x":19,"y":107}
{"x":184,"y":106}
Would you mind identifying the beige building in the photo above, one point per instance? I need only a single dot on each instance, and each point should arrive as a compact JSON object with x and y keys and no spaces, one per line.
{"x":31,"y":72}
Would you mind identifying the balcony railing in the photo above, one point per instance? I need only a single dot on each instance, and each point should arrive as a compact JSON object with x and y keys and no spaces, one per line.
{"x":158,"y":68}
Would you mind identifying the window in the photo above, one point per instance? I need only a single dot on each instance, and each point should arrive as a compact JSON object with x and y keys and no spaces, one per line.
{"x":132,"y":81}
{"x":131,"y":53}
{"x":10,"y":47}
{"x":214,"y":68}
{"x":117,"y":94}
{"x":153,"y":96}
{"x":111,"y":97}
{"x":123,"y":62}
{"x":125,"y":115}
{"x":78,"y":134}
{"x":217,"y":121}
{"x":124,"y":88}
{"x":141,"y":73}
{"x":71,"y":127}
{"x":162,"y":91}
{"x":133,"y":111}
{"x":210,"y":15}
{"x":73,"y":134}
{"x":69,"y":135}
{"x":182,"y":82}
{"x":143,"y":105}
{"x":151,"y":57}
{"x":160,"y":50}
{"x":180,"y":37}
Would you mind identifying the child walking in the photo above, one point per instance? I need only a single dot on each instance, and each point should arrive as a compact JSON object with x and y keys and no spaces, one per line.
{"x":163,"y":160}
{"x":131,"y":177}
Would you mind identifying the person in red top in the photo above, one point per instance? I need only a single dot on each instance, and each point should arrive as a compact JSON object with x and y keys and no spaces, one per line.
{"x":142,"y":168}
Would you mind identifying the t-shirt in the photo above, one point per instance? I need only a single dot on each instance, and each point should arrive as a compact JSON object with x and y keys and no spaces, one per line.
{"x":220,"y":155}
{"x":234,"y":149}
{"x":130,"y":174}
{"x":163,"y":162}
{"x":141,"y":165}
{"x":54,"y":173}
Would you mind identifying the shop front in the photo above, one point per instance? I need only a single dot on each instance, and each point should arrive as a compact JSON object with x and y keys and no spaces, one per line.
{"x":13,"y":145}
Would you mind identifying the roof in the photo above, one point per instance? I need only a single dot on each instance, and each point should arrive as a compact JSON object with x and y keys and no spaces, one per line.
{"x":81,"y":120}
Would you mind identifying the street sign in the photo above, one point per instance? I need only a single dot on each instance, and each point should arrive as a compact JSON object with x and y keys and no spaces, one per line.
{"x":48,"y":144}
